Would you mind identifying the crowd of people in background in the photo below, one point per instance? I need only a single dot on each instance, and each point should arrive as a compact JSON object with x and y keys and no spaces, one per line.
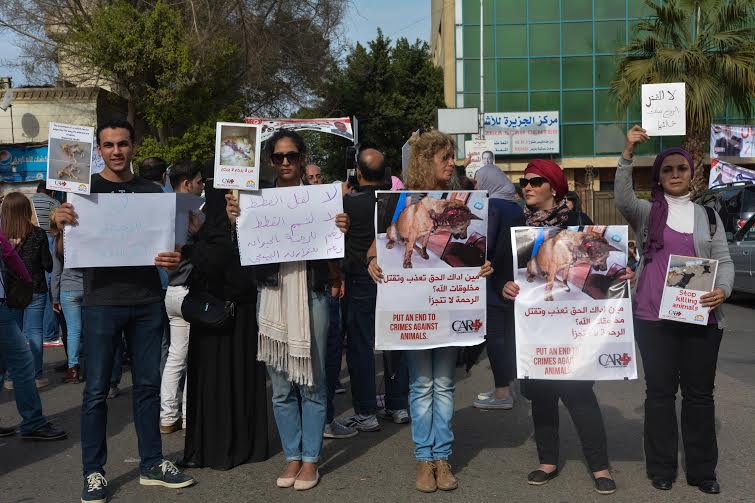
{"x":293,"y":322}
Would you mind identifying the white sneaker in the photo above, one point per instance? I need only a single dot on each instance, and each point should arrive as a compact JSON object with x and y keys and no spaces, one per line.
{"x":485,"y":394}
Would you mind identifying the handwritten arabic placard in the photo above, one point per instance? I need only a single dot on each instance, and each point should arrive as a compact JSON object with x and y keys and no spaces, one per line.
{"x":430,"y":246}
{"x":288,"y":224}
{"x":573,"y":313}
{"x":117,"y":230}
{"x":523,"y":132}
{"x":663,"y":109}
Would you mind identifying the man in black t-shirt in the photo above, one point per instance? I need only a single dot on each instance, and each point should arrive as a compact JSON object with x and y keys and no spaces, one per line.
{"x":122,"y":300}
{"x":360,"y":297}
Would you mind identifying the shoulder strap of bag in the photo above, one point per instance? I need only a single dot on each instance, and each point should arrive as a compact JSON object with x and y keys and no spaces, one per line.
{"x":712,"y":224}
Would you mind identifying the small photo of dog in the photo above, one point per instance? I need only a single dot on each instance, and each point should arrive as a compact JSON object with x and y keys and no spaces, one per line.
{"x":691,"y":273}
{"x":577,"y":263}
{"x":431,"y":230}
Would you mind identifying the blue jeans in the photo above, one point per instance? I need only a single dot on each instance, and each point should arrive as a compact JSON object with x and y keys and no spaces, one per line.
{"x":431,"y":400}
{"x":33,"y":328}
{"x":70,"y":303}
{"x":334,"y":350}
{"x":300,"y":417}
{"x":16,"y":358}
{"x":104,"y":327}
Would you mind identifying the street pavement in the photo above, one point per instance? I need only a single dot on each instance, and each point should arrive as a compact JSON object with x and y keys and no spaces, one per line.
{"x":493,"y":452}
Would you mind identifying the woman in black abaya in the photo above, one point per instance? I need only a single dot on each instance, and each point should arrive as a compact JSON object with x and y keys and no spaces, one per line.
{"x":226,"y":397}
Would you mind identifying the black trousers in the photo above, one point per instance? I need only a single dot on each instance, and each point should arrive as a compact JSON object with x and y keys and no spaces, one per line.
{"x":678,"y":355}
{"x":580,"y":401}
{"x":501,"y":344}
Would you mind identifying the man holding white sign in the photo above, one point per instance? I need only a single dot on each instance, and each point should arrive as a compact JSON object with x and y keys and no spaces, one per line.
{"x":117,"y":300}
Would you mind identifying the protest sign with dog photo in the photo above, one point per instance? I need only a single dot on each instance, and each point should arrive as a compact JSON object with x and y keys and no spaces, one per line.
{"x":573,"y":311}
{"x":237,"y":156}
{"x":69,"y":158}
{"x":430,"y":246}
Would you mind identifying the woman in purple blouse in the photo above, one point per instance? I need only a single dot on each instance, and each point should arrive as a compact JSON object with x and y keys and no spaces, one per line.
{"x":675,"y":354}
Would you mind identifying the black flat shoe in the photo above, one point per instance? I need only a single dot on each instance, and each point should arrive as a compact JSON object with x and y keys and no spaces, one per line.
{"x":540,"y":477}
{"x":708,"y":486}
{"x":182,"y":463}
{"x":604,"y":485}
{"x":662,"y":484}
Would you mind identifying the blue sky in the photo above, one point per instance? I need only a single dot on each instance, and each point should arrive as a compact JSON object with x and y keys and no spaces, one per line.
{"x":397,"y":18}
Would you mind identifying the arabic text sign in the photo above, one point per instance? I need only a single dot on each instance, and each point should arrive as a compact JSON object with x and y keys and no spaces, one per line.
{"x":120,"y":229}
{"x":476,"y":148}
{"x":523,"y":133}
{"x":433,"y":296}
{"x":578,"y":326}
{"x":237,"y":156}
{"x":69,"y":159}
{"x":732,"y":141}
{"x":19,"y":163}
{"x":289,"y":224}
{"x":663,"y":109}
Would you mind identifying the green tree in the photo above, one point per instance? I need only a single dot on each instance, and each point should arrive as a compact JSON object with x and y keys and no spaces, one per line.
{"x":709,"y":45}
{"x":392,"y":90}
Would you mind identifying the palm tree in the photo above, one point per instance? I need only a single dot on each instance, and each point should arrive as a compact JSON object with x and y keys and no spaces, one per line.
{"x":709,"y":45}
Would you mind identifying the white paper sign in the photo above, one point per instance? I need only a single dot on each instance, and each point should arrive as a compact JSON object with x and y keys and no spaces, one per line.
{"x":476,"y":148}
{"x":237,"y":156}
{"x":430,"y":247}
{"x":120,"y":229}
{"x":687,"y":279}
{"x":289,"y":224}
{"x":186,"y":205}
{"x":573,"y":313}
{"x":69,"y":158}
{"x":663,"y":109}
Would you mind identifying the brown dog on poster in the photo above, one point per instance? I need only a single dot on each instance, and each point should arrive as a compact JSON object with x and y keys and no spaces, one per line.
{"x":558,"y":254}
{"x":418,"y":221}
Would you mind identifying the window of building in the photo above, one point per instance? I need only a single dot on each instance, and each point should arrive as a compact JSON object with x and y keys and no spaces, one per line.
{"x":577,"y":106}
{"x":577,"y":72}
{"x":545,"y":73}
{"x":577,"y":38}
{"x":605,"y":107}
{"x":472,"y":42}
{"x":510,"y":40}
{"x":577,"y":140}
{"x":512,"y":74}
{"x":577,"y":9}
{"x":544,"y":10}
{"x":609,"y":138}
{"x":612,"y":9}
{"x":511,"y":11}
{"x":638,"y":9}
{"x":512,"y":102}
{"x":605,"y":70}
{"x":544,"y":101}
{"x":544,"y":40}
{"x":610,"y":36}
{"x":472,"y":75}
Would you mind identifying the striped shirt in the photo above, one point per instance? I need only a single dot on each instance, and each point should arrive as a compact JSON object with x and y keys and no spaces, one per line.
{"x":43,"y":206}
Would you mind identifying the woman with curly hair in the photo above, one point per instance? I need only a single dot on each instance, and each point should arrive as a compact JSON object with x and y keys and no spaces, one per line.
{"x":431,"y":371}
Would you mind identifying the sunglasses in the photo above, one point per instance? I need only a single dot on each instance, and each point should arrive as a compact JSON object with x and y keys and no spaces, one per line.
{"x":535,"y":181}
{"x":278,"y":157}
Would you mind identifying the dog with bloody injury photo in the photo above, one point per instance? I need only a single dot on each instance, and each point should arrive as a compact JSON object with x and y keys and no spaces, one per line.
{"x":428,"y":230}
{"x":575,"y":263}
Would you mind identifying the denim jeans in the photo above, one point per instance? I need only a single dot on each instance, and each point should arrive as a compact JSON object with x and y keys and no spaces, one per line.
{"x":104,"y":327}
{"x":70,"y":303}
{"x":334,"y":350}
{"x":300,"y":417}
{"x":431,"y":400}
{"x":175,"y":365}
{"x":33,"y":328}
{"x":15,"y":357}
{"x":360,"y":296}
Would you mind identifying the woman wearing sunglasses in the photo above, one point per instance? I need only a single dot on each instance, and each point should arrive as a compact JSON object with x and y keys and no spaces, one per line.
{"x":293,"y":329}
{"x":545,"y":187}
{"x":675,"y":355}
{"x":431,"y":371}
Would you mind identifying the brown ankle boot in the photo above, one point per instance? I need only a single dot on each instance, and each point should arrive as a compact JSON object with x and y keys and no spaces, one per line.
{"x":443,"y":476}
{"x":72,"y":375}
{"x":426,"y":477}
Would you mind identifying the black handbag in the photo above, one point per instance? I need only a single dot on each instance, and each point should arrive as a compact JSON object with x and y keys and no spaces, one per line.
{"x":18,"y":293}
{"x":202,"y":308}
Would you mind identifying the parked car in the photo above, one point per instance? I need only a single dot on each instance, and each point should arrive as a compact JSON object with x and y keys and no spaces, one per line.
{"x":741,"y":248}
{"x":734,"y":203}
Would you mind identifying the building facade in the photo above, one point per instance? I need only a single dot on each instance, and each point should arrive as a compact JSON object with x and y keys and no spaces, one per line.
{"x":546,"y":55}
